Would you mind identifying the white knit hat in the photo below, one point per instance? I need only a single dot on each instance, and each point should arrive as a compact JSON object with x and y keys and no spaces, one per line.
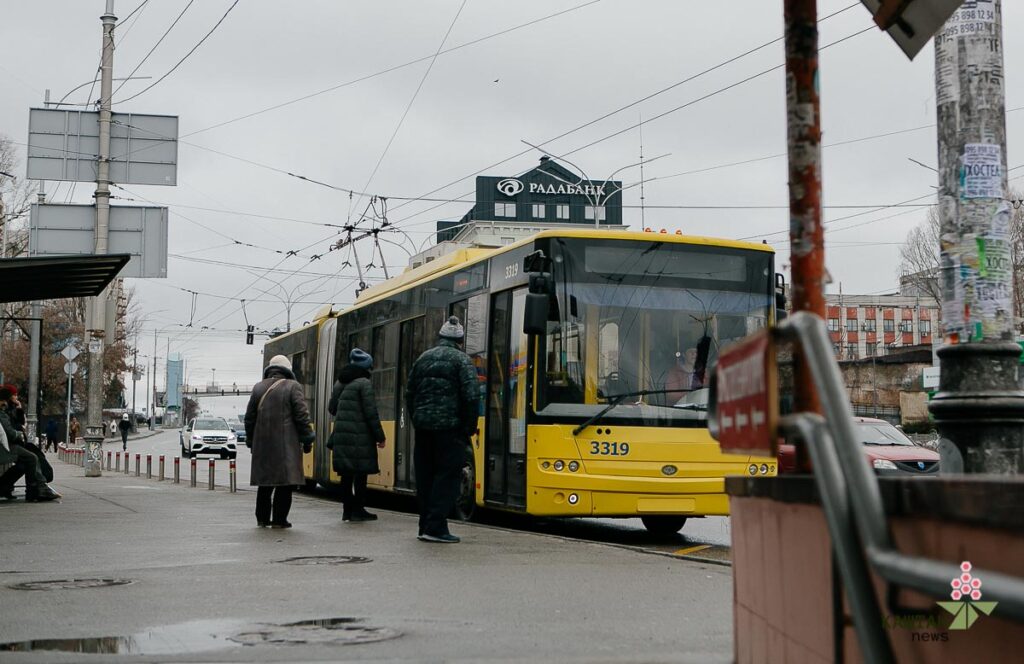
{"x":452,"y":329}
{"x":280,"y":361}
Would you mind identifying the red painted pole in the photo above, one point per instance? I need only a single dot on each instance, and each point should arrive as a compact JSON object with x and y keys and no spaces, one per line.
{"x":806,"y":233}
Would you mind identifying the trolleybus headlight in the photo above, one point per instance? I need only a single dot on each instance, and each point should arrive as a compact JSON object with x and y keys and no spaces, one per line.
{"x":764,"y":469}
{"x":545,"y":465}
{"x":559,"y":465}
{"x":573,"y":499}
{"x":574,"y":466}
{"x":752,"y":469}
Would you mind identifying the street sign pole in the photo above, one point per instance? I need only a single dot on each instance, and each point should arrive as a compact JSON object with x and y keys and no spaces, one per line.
{"x":69,"y":353}
{"x":806,"y":234}
{"x":97,"y":323}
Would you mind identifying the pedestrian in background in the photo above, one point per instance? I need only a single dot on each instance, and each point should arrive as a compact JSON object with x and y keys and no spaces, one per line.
{"x":357,"y":434}
{"x":124,"y":426}
{"x":74,"y":431}
{"x":278,"y":431}
{"x":51,"y":434}
{"x":442,"y":397}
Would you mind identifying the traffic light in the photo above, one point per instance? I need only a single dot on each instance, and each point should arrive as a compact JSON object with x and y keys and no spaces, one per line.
{"x":249,"y":334}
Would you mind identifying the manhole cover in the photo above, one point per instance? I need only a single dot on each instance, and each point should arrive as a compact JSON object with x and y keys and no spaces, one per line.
{"x":325,"y":560}
{"x":69,"y":584}
{"x":325,"y":631}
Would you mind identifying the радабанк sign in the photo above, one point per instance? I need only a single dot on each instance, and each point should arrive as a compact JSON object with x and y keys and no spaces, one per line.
{"x":745,"y":397}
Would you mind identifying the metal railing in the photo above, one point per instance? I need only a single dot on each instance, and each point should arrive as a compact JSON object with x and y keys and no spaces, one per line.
{"x":853,"y":507}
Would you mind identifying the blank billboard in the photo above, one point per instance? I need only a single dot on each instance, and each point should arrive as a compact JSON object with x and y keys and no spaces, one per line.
{"x":62,"y":230}
{"x":64,"y":146}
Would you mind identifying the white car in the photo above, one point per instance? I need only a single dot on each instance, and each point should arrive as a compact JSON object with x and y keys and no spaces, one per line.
{"x":208,"y":435}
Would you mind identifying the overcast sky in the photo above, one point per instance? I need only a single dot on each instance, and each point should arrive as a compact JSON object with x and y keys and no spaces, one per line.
{"x":474,"y":108}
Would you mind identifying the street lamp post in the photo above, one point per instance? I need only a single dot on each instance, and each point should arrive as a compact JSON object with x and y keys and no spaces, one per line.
{"x":214,"y":380}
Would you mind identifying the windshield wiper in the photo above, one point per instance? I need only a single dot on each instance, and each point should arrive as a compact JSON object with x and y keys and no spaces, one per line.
{"x":616,"y":399}
{"x":691,"y":406}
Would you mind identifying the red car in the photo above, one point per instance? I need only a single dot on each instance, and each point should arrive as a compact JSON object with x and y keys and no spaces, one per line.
{"x":888,"y":451}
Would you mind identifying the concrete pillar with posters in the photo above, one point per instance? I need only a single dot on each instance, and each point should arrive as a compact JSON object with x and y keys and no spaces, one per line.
{"x":979,"y":408}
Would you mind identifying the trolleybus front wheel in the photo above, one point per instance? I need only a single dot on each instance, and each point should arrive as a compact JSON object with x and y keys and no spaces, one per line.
{"x":663,"y":525}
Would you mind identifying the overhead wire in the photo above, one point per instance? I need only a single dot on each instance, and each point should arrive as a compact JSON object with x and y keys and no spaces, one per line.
{"x":185,"y":57}
{"x":412,"y":100}
{"x":157,"y":44}
{"x":394,"y":68}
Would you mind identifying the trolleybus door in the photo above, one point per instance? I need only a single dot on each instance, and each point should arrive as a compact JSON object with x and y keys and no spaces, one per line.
{"x":412,"y":343}
{"x":505,"y":442}
{"x":323,"y":420}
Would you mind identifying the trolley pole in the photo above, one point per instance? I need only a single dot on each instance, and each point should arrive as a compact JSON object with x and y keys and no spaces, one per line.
{"x":979,"y":407}
{"x":806,"y":235}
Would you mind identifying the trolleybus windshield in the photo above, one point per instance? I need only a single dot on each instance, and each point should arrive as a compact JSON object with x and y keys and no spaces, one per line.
{"x":645,"y":319}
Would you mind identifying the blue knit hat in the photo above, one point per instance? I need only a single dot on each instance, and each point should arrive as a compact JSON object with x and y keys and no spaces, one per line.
{"x":361,"y":359}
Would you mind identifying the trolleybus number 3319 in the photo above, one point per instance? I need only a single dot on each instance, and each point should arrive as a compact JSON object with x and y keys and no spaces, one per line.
{"x":611,"y":449}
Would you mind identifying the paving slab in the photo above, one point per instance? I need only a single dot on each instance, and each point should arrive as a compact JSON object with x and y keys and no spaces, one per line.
{"x":204,"y":584}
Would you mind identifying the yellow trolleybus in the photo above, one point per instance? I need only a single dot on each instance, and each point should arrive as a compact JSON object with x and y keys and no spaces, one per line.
{"x":598,"y":410}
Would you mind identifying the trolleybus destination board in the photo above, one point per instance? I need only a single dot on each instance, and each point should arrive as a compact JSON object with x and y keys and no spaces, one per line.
{"x":745,"y":397}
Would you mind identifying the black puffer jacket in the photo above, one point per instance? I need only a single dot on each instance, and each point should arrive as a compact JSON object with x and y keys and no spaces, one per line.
{"x":357,"y":428}
{"x":443,"y":393}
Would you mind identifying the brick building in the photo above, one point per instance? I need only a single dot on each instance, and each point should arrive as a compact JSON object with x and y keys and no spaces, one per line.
{"x":870,"y":325}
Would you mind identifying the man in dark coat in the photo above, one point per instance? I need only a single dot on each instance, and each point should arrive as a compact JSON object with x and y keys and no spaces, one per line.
{"x":278,"y":431}
{"x":124,"y":426}
{"x":442,"y":397}
{"x":24,"y":461}
{"x":357,"y":434}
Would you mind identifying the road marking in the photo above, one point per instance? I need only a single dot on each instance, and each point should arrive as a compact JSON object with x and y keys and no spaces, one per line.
{"x":691,"y":549}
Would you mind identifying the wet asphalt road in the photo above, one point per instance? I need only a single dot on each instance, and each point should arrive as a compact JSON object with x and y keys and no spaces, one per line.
{"x":704,"y":538}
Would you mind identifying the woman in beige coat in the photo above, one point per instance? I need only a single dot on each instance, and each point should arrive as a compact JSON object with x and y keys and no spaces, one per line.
{"x":278,"y":431}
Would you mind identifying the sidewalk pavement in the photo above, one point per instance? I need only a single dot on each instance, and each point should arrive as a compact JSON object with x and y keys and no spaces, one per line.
{"x":204,"y":580}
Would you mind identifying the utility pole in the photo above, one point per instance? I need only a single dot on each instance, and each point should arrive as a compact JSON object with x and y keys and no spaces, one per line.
{"x":979,"y":407}
{"x":135,"y":375}
{"x":96,"y":327}
{"x":152,"y":411}
{"x":806,"y":235}
{"x":35,"y":336}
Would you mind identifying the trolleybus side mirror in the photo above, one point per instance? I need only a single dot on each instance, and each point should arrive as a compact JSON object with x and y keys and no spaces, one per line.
{"x":780,"y":297}
{"x":535,"y":316}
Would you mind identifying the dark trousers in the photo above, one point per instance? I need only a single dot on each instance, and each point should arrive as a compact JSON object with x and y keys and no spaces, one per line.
{"x":26,"y":464}
{"x":273,"y":503}
{"x":124,"y":438}
{"x":353,"y":492}
{"x":438,"y":459}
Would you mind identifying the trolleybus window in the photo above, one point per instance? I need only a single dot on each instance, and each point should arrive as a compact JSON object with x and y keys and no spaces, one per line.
{"x":646,"y":317}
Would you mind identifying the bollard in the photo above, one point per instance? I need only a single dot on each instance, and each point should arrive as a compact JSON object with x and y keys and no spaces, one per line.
{"x":160,"y":478}
{"x":211,"y":474}
{"x":193,"y":483}
{"x":125,"y":463}
{"x":109,"y":463}
{"x":177,"y":470}
{"x":117,"y":461}
{"x":138,"y":465}
{"x":232,"y":477}
{"x":149,"y":466}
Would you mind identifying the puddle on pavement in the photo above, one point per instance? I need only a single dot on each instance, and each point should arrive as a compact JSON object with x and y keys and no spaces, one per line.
{"x":207,"y":635}
{"x":324,"y":560}
{"x":70,"y":584}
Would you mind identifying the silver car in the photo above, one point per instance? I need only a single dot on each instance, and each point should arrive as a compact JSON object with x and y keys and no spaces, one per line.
{"x":208,"y":435}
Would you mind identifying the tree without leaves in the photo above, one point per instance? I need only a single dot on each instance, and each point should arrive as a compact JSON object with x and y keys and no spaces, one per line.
{"x":919,"y":258}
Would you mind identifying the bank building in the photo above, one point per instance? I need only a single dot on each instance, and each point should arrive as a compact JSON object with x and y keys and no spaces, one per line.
{"x":510,"y":208}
